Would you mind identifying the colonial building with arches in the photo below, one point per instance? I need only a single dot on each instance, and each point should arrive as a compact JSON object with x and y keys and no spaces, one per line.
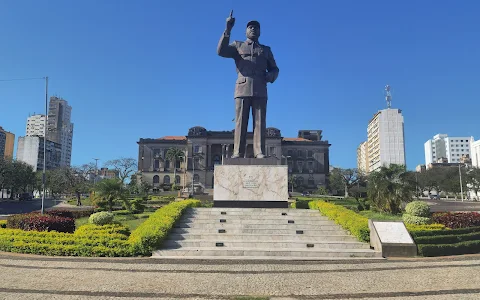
{"x":306,"y":155}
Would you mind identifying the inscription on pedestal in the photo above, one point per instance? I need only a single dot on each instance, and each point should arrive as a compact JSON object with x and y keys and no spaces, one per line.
{"x":250,"y":182}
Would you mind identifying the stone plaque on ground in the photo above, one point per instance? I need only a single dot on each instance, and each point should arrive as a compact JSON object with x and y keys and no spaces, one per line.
{"x":392,"y":238}
{"x":250,"y":183}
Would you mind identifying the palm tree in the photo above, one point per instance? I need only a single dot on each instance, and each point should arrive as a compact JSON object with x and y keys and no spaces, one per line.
{"x":111,"y":190}
{"x":389,"y":187}
{"x":174,"y":155}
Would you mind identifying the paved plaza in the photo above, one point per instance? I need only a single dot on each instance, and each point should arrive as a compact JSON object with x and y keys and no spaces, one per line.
{"x":35,"y":277}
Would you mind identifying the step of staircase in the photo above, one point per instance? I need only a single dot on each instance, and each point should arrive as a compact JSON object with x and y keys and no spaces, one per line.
{"x":245,"y":233}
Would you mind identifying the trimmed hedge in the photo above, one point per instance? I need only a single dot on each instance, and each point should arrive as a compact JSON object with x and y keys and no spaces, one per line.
{"x":411,"y":219}
{"x":76,"y":214}
{"x":446,"y":232}
{"x":38,"y":222}
{"x":447,"y":239}
{"x":150,"y":234}
{"x":356,"y":224}
{"x":430,"y":227}
{"x":418,"y":209}
{"x":468,"y":247}
{"x":457,"y":220}
{"x":101,"y":218}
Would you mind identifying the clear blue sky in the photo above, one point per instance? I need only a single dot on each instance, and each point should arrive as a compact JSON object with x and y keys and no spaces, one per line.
{"x":145,"y":69}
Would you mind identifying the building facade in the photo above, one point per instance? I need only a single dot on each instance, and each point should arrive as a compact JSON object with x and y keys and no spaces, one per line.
{"x":7,"y":139}
{"x":386,"y":139}
{"x":450,"y":148}
{"x":36,"y":125}
{"x":307,"y":157}
{"x":30,"y":150}
{"x":475,"y":153}
{"x":362,"y":157}
{"x":60,"y":127}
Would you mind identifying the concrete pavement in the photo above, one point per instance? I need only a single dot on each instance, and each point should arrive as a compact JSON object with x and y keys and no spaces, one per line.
{"x":36,"y":277}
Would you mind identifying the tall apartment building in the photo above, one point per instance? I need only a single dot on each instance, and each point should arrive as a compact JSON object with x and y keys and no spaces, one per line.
{"x":36,"y":125}
{"x":60,"y":127}
{"x":362,"y":157}
{"x":449,"y":148}
{"x":475,"y":153}
{"x":7,"y":141}
{"x":386,"y":140}
{"x":30,"y":151}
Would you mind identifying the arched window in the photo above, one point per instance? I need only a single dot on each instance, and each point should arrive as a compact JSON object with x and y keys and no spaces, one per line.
{"x":300,"y":181}
{"x":196,"y":178}
{"x":156,"y":179}
{"x":177,"y":179}
{"x":166,"y":179}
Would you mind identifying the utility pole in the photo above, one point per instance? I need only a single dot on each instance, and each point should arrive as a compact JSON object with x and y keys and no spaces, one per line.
{"x":460,"y":173}
{"x":45,"y":145}
{"x":96,"y":174}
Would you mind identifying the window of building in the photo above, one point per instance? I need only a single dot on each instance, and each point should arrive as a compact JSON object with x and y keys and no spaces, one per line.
{"x":461,"y":145}
{"x":466,"y":141}
{"x":290,"y":164}
{"x":290,"y":152}
{"x":311,"y":181}
{"x":216,"y":160}
{"x":166,"y":179}
{"x":156,"y":179}
{"x":300,"y":181}
{"x":300,"y":154}
{"x":461,"y":141}
{"x":177,"y":164}
{"x":196,"y":149}
{"x":310,"y":154}
{"x":196,"y":178}
{"x":156,"y":164}
{"x":272,"y":151}
{"x":177,"y":179}
{"x":310,"y":165}
{"x":167,"y":164}
{"x":300,"y":166}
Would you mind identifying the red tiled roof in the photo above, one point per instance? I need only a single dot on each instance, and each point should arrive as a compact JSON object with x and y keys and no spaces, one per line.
{"x":173,"y":138}
{"x":296,"y":140}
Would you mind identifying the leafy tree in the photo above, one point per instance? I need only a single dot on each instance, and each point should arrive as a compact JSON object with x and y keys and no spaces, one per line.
{"x":174,"y":155}
{"x":389,"y":187}
{"x":347,"y":178}
{"x":473,"y":180}
{"x":124,"y":166}
{"x":292,"y":180}
{"x":76,"y":181}
{"x":20,"y":177}
{"x":111,"y":190}
{"x":322,"y":191}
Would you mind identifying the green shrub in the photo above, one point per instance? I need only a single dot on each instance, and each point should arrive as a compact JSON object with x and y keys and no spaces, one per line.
{"x":101,"y":218}
{"x":150,"y":234}
{"x":39,"y":222}
{"x":430,"y":227}
{"x":3,"y":223}
{"x":418,"y":209}
{"x":302,"y":204}
{"x":356,"y":224}
{"x":447,"y":239}
{"x":410,"y":219}
{"x":445,"y":232}
{"x":468,"y":247}
{"x":136,"y":206}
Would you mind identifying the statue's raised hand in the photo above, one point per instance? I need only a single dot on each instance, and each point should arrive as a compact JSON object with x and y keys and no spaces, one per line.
{"x":230,"y":21}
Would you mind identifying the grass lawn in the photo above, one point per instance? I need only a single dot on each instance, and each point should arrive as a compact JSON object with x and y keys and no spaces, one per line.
{"x":85,"y":202}
{"x":380,"y":216}
{"x":131,"y":221}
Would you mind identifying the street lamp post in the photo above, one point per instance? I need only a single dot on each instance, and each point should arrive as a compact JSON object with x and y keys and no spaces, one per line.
{"x":96,"y":174}
{"x":44,"y":146}
{"x":461,"y":186}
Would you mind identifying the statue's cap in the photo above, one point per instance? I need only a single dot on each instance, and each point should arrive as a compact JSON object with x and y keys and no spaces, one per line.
{"x":253,"y":22}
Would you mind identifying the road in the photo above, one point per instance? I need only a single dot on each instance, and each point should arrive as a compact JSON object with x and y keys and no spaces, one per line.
{"x":452,"y":205}
{"x":34,"y":277}
{"x":8,"y":207}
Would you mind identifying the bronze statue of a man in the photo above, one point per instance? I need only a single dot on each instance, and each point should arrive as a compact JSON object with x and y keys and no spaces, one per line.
{"x":255,"y":67}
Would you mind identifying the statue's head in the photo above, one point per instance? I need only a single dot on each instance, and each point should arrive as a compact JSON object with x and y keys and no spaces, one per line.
{"x":253,"y":30}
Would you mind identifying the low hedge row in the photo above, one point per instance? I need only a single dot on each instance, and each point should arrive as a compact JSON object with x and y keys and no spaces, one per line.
{"x":356,"y":224}
{"x":447,"y":239}
{"x":38,"y":222}
{"x":150,"y":234}
{"x":429,"y":227}
{"x":457,"y":220}
{"x":445,"y":232}
{"x":468,"y":247}
{"x":75,"y":214}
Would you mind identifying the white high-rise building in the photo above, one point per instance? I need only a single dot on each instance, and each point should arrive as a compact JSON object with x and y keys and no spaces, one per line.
{"x":386,"y":141}
{"x":36,"y":125}
{"x":30,"y":151}
{"x":475,"y":153}
{"x":449,"y":148}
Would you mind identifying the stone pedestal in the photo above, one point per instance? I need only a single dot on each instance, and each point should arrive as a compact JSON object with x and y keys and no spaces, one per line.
{"x":240,"y":184}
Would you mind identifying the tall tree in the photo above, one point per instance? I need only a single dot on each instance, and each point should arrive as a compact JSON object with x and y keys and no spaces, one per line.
{"x":174,"y":155}
{"x":473,"y":180}
{"x":389,"y":187}
{"x":348,"y":177}
{"x":111,"y":190}
{"x":124,"y":166}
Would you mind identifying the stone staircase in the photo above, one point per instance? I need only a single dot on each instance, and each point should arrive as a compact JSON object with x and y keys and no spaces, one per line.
{"x":262,"y":233}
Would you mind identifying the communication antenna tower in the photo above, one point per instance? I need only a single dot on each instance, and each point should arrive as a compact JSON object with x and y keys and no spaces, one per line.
{"x":388,"y":96}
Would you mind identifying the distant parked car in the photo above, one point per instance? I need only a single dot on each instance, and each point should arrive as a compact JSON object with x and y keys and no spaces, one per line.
{"x":25,"y":197}
{"x":435,"y":197}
